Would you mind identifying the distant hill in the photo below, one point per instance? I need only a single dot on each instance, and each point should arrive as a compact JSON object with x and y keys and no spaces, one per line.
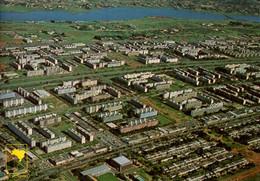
{"x":245,"y":7}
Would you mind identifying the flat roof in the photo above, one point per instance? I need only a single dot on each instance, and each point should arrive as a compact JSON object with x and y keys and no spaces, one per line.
{"x":75,"y":152}
{"x":100,"y":170}
{"x":122,"y":160}
{"x":41,"y":93}
{"x":31,"y":155}
{"x":2,"y":155}
{"x":111,"y":125}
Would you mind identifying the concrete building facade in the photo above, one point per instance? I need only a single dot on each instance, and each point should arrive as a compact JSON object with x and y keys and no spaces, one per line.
{"x":76,"y":136}
{"x":21,"y":133}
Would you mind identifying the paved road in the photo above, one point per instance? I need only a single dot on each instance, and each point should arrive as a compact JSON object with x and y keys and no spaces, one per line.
{"x":81,"y":162}
{"x":118,"y":72}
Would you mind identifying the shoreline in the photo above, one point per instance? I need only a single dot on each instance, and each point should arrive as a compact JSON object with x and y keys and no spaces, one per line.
{"x":122,"y":13}
{"x":20,"y":9}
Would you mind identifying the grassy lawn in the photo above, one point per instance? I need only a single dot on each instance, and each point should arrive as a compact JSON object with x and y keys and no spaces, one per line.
{"x":214,"y":133}
{"x":70,"y":176}
{"x":163,"y":121}
{"x":225,"y":139}
{"x":168,"y":112}
{"x":256,"y":177}
{"x":56,"y":103}
{"x":108,"y":177}
{"x":179,"y":84}
{"x":64,"y":127}
{"x":233,"y":145}
{"x":145,"y":175}
{"x":148,"y":26}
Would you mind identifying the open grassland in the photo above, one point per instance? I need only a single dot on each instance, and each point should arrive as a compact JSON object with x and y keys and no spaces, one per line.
{"x":107,"y":176}
{"x":167,"y":112}
{"x":138,"y":29}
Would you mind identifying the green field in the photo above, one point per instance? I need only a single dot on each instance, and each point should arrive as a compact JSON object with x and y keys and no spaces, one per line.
{"x":256,"y":177}
{"x":150,"y":28}
{"x":70,"y":176}
{"x":163,"y":121}
{"x":167,"y":113}
{"x":108,"y":177}
{"x":145,"y":175}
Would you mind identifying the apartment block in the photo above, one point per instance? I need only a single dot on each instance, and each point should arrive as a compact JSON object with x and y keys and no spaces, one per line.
{"x":89,"y":136}
{"x":76,"y":136}
{"x":15,"y":127}
{"x":55,"y":144}
{"x":13,"y":102}
{"x":25,"y":110}
{"x":109,"y":116}
{"x":46,"y":132}
{"x":145,"y":112}
{"x":138,"y":124}
{"x":46,"y":119}
{"x":64,"y":89}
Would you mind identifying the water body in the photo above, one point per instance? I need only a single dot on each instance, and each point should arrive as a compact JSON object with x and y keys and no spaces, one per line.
{"x":111,"y":14}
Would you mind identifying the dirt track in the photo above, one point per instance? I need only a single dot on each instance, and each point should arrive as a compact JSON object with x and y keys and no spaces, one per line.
{"x":2,"y":67}
{"x":250,"y":156}
{"x":18,"y":42}
{"x":173,"y":116}
{"x":2,"y":44}
{"x":245,"y":174}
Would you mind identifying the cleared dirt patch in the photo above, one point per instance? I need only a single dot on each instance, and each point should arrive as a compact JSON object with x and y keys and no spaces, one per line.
{"x":2,"y":44}
{"x":58,"y":104}
{"x":2,"y":67}
{"x":128,"y":62}
{"x":250,"y":155}
{"x":244,"y":174}
{"x":18,"y":42}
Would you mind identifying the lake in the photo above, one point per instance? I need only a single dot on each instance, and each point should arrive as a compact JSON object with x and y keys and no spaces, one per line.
{"x":121,"y":13}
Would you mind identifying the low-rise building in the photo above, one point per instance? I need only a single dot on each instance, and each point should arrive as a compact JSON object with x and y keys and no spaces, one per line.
{"x":97,"y":171}
{"x":61,"y":159}
{"x":138,"y":124}
{"x":89,"y":83}
{"x":64,"y":89}
{"x":111,"y":106}
{"x":209,"y":109}
{"x":113,"y":92}
{"x":46,"y":119}
{"x":7,"y":94}
{"x":100,"y":97}
{"x":32,"y":73}
{"x":121,"y":163}
{"x":109,"y":116}
{"x":138,"y":104}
